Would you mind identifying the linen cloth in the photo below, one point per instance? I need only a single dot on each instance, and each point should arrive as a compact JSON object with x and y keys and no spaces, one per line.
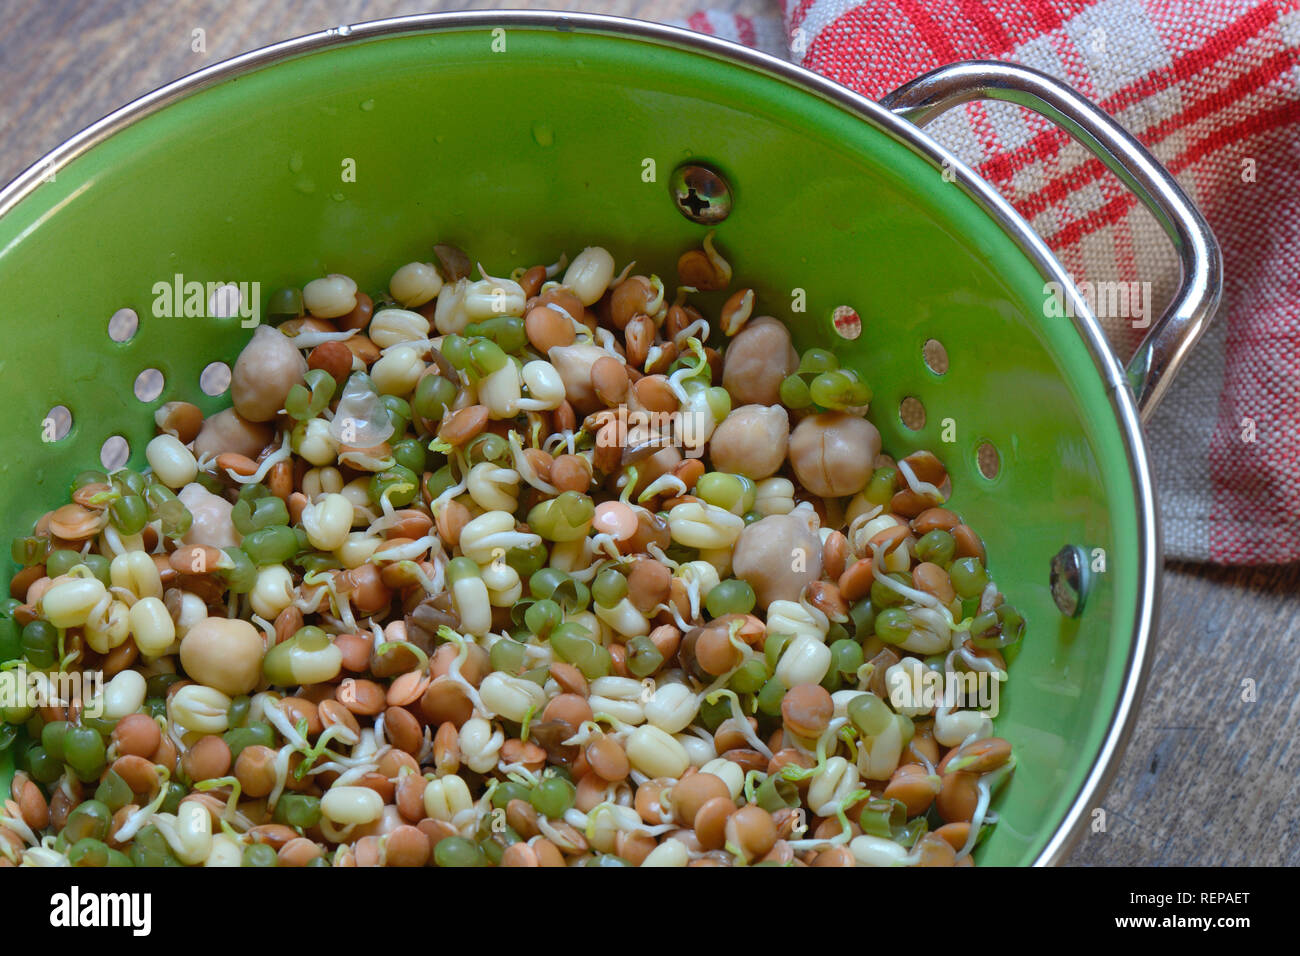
{"x":1212,"y":88}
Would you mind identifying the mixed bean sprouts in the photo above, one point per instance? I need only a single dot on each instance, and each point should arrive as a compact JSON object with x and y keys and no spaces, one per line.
{"x":541,"y":570}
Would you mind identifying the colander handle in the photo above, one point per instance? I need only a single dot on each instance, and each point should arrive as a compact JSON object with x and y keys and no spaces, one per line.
{"x":1171,"y":337}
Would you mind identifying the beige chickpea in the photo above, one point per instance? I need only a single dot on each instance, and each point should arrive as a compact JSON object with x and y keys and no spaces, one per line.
{"x":832,"y":453}
{"x":266,"y":369}
{"x":751,"y":441}
{"x":226,"y":432}
{"x":224,"y":653}
{"x":778,"y":556}
{"x":211,"y":525}
{"x":757,"y":360}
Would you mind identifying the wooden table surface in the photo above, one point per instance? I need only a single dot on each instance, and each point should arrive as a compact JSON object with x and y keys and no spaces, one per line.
{"x":1207,"y":776}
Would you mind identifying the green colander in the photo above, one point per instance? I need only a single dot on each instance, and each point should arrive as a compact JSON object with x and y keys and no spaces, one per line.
{"x":521,"y":135}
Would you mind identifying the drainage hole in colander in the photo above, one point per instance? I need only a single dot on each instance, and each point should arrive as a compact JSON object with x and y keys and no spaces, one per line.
{"x":846,"y":322}
{"x":56,"y":424}
{"x":114,"y":452}
{"x":935,"y":356}
{"x":123,"y":325}
{"x":911,"y":411}
{"x":988,"y":460}
{"x":215,"y":379}
{"x":225,"y":301}
{"x":149,"y":384}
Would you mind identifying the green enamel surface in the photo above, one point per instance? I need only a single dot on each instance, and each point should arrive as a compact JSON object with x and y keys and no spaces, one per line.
{"x":520,"y":155}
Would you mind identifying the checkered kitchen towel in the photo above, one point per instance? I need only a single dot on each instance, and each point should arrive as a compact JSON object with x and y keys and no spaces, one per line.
{"x":1212,"y":87}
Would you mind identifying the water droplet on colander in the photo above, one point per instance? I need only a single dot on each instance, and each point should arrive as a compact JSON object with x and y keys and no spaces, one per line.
{"x":367,"y":105}
{"x":337,"y":197}
{"x":341,"y":30}
{"x":305,"y":185}
{"x":295,"y":163}
{"x":543,"y":134}
{"x":847,"y":322}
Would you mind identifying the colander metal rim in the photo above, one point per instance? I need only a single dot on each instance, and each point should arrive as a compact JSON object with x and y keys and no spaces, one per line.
{"x":974,"y":186}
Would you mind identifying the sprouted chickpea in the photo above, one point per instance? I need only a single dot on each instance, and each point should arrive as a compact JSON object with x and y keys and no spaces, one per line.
{"x":558,"y":571}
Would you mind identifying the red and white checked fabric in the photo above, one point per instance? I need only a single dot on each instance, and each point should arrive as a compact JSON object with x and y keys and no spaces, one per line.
{"x":1212,"y":88}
